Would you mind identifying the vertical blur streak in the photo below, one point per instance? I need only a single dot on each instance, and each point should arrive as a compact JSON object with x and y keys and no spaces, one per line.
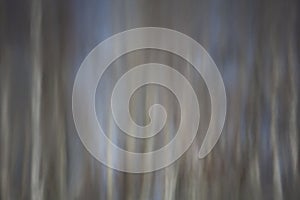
{"x":37,"y":178}
{"x":294,"y":140}
{"x":5,"y":89}
{"x":4,"y":113}
{"x":274,"y":132}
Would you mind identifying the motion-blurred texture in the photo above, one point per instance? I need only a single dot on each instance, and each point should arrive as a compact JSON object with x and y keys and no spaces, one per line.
{"x":255,"y":45}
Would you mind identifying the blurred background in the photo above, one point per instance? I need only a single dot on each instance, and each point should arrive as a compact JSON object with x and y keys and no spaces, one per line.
{"x":255,"y":45}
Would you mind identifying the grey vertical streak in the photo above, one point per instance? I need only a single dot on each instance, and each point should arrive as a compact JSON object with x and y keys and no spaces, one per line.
{"x":274,"y":125}
{"x":60,"y":142}
{"x":37,"y":178}
{"x":5,"y":189}
{"x":293,"y":62}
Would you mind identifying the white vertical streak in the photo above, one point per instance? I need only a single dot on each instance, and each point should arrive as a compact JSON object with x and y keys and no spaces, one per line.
{"x":274,"y":140}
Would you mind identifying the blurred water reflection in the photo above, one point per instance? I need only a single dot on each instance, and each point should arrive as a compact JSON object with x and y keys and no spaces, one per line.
{"x":255,"y":44}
